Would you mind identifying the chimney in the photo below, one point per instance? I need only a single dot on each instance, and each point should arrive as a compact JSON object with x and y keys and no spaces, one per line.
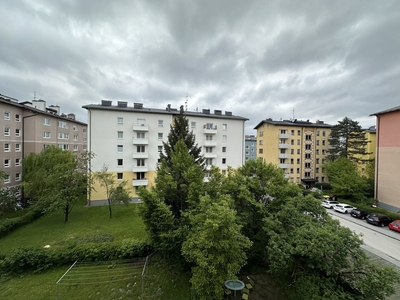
{"x":138,"y":105}
{"x":206,"y":111}
{"x":122,"y":104}
{"x":106,"y":103}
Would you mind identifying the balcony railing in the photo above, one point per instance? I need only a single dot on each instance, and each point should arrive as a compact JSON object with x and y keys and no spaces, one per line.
{"x":140,"y":141}
{"x":283,"y":146}
{"x":140,"y":127}
{"x":209,"y":143}
{"x":284,"y":136}
{"x":140,"y":182}
{"x":283,"y":155}
{"x":140,"y":155}
{"x":140,"y":169}
{"x":210,"y":155}
{"x":284,"y":166}
{"x":209,"y":130}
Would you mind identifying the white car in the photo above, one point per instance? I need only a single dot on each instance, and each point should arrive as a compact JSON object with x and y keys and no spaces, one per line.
{"x":329,"y":203}
{"x":343,"y":208}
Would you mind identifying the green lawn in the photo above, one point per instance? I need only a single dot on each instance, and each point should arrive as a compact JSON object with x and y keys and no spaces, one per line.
{"x":51,"y":229}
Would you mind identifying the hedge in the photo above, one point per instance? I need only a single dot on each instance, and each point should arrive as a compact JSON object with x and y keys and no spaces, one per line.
{"x":8,"y":225}
{"x":34,"y":259}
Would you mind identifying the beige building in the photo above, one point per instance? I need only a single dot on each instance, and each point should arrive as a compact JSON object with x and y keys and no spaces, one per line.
{"x":31,"y":126}
{"x":298,"y":147}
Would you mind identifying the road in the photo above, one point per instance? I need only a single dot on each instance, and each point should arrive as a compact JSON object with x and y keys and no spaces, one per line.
{"x":379,"y":240}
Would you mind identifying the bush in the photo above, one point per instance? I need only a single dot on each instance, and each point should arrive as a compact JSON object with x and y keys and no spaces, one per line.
{"x":39,"y":259}
{"x":8,"y":225}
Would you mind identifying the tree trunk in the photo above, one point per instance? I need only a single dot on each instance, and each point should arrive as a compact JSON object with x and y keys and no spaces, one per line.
{"x":66,"y":213}
{"x":109,"y":208}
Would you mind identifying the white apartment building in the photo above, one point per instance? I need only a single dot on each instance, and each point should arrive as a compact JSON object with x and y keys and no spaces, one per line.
{"x":128,"y":139}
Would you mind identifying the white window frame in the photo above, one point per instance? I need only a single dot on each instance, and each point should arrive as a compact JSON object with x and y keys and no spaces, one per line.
{"x":193,"y":124}
{"x":120,"y":134}
{"x":6,"y":115}
{"x":160,"y":135}
{"x":6,"y":147}
{"x":17,"y":162}
{"x":17,"y":147}
{"x":160,"y":123}
{"x":46,"y":134}
{"x":46,"y":121}
{"x":75,"y":128}
{"x":63,"y":124}
{"x":75,"y":147}
{"x":120,"y":121}
{"x":120,"y":148}
{"x":224,"y":138}
{"x":17,"y":118}
{"x":7,"y":131}
{"x":7,"y":179}
{"x":224,"y":126}
{"x":6,"y":164}
{"x":75,"y":137}
{"x":17,"y":132}
{"x":17,"y":176}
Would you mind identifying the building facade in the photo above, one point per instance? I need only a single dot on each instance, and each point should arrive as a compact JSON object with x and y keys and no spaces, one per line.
{"x":31,"y":126}
{"x":250,"y":147}
{"x":370,"y":135}
{"x":128,"y":139}
{"x":387,"y":158}
{"x":299,"y":148}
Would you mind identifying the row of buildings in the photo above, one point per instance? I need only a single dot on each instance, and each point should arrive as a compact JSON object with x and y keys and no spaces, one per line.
{"x":128,"y":138}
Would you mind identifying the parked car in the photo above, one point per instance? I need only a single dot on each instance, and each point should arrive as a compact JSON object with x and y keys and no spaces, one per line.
{"x":395,"y":225}
{"x":358,"y":213}
{"x":343,"y":208}
{"x":378,"y":219}
{"x":329,"y":203}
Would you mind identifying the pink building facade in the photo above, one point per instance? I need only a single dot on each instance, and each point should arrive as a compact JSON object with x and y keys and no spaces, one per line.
{"x":387,"y":163}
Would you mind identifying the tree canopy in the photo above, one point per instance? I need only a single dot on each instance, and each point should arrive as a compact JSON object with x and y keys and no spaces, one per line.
{"x":55,"y":179}
{"x":347,"y":139}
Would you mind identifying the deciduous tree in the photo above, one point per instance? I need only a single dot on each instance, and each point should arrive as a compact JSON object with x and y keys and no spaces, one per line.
{"x":115,"y":190}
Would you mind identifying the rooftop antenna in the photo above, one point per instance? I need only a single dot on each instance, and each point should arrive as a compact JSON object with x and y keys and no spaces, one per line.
{"x":186,"y":102}
{"x":293,"y":113}
{"x":34,"y":92}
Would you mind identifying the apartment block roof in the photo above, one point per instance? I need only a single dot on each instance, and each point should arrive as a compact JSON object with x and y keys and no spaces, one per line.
{"x":139,"y":108}
{"x":295,"y":123}
{"x":53,"y":110}
{"x":393,"y":109}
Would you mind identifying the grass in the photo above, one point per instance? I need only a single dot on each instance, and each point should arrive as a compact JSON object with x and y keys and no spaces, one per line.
{"x":51,"y":229}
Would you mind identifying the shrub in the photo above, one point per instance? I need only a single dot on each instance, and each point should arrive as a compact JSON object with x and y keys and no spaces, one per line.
{"x":8,"y":225}
{"x":36,"y":259}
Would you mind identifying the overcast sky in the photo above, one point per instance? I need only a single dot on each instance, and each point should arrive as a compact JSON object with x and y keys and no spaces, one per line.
{"x":309,"y":59}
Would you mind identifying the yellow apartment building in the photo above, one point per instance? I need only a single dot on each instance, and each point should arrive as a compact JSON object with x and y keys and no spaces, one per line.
{"x":298,"y":147}
{"x":370,"y":134}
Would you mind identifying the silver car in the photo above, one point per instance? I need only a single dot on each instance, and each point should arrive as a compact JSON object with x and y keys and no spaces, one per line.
{"x":343,"y":208}
{"x":329,"y":203}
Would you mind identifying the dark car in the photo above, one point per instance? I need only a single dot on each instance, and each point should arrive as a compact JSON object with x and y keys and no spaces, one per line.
{"x":358,"y":213}
{"x":378,"y":219}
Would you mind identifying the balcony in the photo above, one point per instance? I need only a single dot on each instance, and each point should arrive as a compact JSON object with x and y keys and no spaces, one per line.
{"x":284,"y":136}
{"x":140,"y":141}
{"x":330,"y":147}
{"x":140,"y":155}
{"x":140,"y":127}
{"x":209,"y":143}
{"x":210,"y":155}
{"x":283,"y":146}
{"x":283,"y":155}
{"x":140,"y":182}
{"x":284,"y":166}
{"x":137,"y":169}
{"x":287,"y":176}
{"x":209,"y":130}
{"x":208,"y":167}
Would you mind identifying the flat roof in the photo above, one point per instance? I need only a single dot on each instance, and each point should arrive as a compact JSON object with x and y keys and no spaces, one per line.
{"x":167,"y":111}
{"x":295,"y":122}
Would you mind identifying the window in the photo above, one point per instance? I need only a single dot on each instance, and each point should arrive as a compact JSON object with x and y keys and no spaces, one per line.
{"x":307,"y":174}
{"x":316,"y":170}
{"x":140,"y":149}
{"x":298,"y":132}
{"x":140,"y":162}
{"x":209,"y":125}
{"x":46,"y":121}
{"x":6,"y":115}
{"x":307,"y":165}
{"x":292,"y":161}
{"x":322,"y":179}
{"x":323,"y":133}
{"x":17,"y":118}
{"x":307,"y":155}
{"x":140,"y":175}
{"x":308,"y":137}
{"x":63,"y":146}
{"x":160,"y":123}
{"x":120,"y":162}
{"x":291,"y":171}
{"x":62,"y":124}
{"x":323,"y":142}
{"x":283,"y":131}
{"x":298,"y":142}
{"x":120,"y":121}
{"x":193,"y":124}
{"x":7,"y":178}
{"x":159,"y":148}
{"x":298,"y":160}
{"x":84,"y":147}
{"x":120,"y":134}
{"x":224,"y":161}
{"x":120,"y":148}
{"x":260,"y":142}
{"x":209,"y":161}
{"x":75,"y":147}
{"x":224,"y":138}
{"x":46,"y":134}
{"x":317,"y":143}
{"x":323,"y":151}
{"x":317,"y":161}
{"x":291,"y":142}
{"x":282,"y":161}
{"x":63,"y":136}
{"x":291,"y":151}
{"x":224,"y":126}
{"x":323,"y":161}
{"x":247,"y":146}
{"x":298,"y":170}
{"x":6,"y":147}
{"x":6,"y":162}
{"x":224,"y":149}
{"x":17,"y":176}
{"x":7,"y":131}
{"x":140,"y":135}
{"x":260,"y":151}
{"x":317,"y":151}
{"x":308,"y":146}
{"x":317,"y":132}
{"x":120,"y":176}
{"x":17,"y":132}
{"x":292,"y":132}
{"x":84,"y":130}
{"x":298,"y":151}
{"x":17,"y":147}
{"x":160,"y":135}
{"x":17,"y":162}
{"x":75,"y":137}
{"x":261,"y":133}
{"x":75,"y":128}
{"x":323,"y":170}
{"x":209,"y":149}
{"x":84,"y":139}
